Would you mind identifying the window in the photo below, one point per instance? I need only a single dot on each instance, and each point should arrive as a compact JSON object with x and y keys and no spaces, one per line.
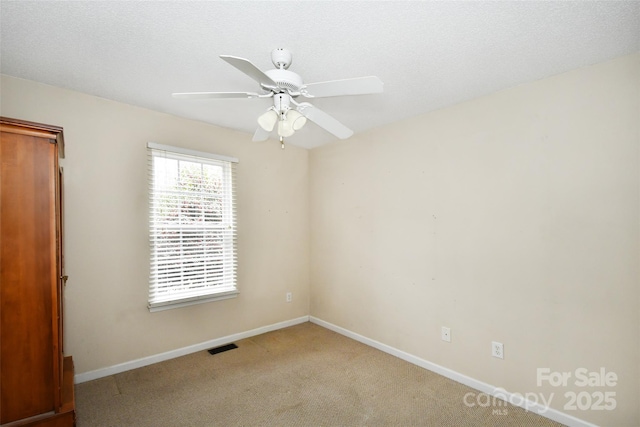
{"x":192,"y":227}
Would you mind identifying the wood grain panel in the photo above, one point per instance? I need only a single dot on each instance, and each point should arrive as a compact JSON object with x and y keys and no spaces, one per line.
{"x":27,"y":260}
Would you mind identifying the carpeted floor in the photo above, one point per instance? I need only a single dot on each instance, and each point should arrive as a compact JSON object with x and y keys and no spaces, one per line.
{"x":304,"y":375}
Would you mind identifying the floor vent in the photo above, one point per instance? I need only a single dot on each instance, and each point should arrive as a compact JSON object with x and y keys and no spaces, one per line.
{"x":222,"y":348}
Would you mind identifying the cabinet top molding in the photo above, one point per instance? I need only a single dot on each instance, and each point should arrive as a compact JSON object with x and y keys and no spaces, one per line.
{"x":25,"y":127}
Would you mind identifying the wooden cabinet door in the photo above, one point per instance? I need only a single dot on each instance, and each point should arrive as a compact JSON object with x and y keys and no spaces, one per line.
{"x":29,"y":276}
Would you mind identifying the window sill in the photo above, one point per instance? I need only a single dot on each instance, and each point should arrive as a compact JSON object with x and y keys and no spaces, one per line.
{"x":168,"y":305}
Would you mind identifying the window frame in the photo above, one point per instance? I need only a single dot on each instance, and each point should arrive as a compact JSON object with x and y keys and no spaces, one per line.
{"x":227,"y":226}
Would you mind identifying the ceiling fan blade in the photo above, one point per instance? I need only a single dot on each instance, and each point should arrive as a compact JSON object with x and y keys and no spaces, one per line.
{"x":357,"y":86}
{"x":219,"y":95}
{"x":251,"y":70}
{"x":324,"y":120}
{"x":260,"y":135}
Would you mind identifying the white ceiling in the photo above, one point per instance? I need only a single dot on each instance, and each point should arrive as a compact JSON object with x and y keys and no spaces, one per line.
{"x":428,"y":54}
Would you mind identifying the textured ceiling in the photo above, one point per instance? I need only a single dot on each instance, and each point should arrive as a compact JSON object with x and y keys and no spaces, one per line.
{"x":428,"y":54}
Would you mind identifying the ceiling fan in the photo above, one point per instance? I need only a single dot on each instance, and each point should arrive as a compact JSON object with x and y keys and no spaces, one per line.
{"x":285,"y":87}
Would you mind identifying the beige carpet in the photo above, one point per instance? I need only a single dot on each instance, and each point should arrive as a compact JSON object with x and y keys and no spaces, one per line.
{"x":304,"y":375}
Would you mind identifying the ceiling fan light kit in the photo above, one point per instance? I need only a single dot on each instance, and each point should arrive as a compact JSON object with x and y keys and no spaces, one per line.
{"x":297,"y":119}
{"x":268,"y":120}
{"x":284,"y":87}
{"x":285,"y":129}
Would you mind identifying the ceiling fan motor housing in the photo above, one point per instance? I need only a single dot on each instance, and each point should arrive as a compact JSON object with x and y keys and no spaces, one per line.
{"x":286,"y":80}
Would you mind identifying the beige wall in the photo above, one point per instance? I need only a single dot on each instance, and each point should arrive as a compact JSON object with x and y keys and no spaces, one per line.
{"x":514,"y":218}
{"x":106,"y":226}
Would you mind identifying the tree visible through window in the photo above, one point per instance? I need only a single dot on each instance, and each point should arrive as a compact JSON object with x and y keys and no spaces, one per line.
{"x":192,"y":228}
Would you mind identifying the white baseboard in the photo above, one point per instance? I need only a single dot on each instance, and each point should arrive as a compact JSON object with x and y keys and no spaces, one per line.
{"x":483,"y":387}
{"x":138,"y":363}
{"x":499,"y":393}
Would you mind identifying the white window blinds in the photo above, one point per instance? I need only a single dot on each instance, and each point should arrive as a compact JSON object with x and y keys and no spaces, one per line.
{"x":192,"y":225}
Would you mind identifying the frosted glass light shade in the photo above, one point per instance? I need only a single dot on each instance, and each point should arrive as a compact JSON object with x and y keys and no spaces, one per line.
{"x":268,"y":120}
{"x":285,"y":129}
{"x":296,"y":119}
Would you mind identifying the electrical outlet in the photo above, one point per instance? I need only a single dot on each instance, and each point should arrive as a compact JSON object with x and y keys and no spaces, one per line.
{"x":497,"y":349}
{"x":446,"y":334}
{"x":289,"y":296}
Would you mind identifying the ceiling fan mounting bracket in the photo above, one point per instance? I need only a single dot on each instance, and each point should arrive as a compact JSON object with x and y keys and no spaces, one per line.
{"x":281,"y":58}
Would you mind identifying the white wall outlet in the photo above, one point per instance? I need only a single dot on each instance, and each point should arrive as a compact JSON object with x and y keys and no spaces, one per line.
{"x":446,"y":334}
{"x":497,"y":349}
{"x":289,"y":296}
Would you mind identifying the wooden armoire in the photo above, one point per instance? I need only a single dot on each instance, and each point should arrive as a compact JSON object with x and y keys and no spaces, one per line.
{"x":36,"y":379}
